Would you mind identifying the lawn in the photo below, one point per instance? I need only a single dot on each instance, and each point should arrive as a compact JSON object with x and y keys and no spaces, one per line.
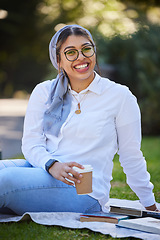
{"x":33,"y":231}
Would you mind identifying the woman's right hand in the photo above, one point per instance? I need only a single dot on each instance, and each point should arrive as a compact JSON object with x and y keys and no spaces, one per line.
{"x":62,"y":171}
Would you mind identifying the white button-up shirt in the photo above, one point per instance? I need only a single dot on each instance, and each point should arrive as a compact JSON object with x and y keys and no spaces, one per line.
{"x":109,"y":122}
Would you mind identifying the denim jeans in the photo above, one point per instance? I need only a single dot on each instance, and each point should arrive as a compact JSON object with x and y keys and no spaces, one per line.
{"x":24,"y":188}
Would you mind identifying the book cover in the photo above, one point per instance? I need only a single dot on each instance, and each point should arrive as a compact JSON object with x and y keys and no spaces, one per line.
{"x":102,"y":217}
{"x":134,"y":212}
{"x":146,"y":224}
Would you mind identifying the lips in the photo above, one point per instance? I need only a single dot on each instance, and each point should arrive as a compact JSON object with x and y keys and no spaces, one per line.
{"x":81,"y":67}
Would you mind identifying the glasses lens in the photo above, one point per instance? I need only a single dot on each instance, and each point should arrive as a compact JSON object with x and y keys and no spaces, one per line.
{"x":71,"y":54}
{"x":88,"y":51}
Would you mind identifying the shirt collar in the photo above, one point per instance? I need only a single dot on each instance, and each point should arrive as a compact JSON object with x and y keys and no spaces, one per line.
{"x":95,"y":86}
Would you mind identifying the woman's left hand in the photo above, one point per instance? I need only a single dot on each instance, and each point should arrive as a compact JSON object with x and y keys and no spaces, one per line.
{"x":153,"y":208}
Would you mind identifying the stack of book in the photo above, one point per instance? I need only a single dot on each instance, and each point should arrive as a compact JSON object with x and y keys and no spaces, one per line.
{"x":134,"y":212}
{"x":143,"y":220}
{"x":102,"y":217}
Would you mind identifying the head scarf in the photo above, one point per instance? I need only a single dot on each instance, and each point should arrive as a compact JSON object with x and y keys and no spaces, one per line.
{"x":59,"y":102}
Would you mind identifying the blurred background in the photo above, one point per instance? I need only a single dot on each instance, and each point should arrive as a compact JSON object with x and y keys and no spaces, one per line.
{"x":127,"y":35}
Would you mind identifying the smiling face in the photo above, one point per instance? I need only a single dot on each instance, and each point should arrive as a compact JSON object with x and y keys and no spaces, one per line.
{"x":80,"y":71}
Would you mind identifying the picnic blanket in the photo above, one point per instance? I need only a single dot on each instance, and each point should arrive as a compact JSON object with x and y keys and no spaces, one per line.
{"x":72,"y":220}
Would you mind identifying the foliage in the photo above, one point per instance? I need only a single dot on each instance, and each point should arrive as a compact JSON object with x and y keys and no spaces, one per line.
{"x":21,"y":47}
{"x":137,"y":61}
{"x":28,"y":27}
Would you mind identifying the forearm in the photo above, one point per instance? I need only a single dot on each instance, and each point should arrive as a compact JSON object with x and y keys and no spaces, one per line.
{"x":37,"y":155}
{"x":134,"y":164}
{"x":139,"y":181}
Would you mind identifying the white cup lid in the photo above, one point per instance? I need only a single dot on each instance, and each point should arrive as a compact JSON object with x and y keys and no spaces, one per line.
{"x":87,"y":168}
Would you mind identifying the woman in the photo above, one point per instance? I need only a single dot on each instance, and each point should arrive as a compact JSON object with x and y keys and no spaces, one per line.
{"x":78,"y":118}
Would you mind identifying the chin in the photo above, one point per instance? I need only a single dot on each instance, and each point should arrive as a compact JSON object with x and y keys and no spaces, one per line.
{"x":84,"y":76}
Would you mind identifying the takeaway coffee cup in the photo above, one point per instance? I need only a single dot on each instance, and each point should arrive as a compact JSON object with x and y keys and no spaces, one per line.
{"x":85,"y":186}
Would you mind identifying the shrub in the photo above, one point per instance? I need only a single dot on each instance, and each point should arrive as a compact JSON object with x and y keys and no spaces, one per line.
{"x":137,"y":63}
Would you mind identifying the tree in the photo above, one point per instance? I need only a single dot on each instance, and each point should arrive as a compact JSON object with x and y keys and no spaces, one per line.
{"x":21,"y":47}
{"x":28,"y":26}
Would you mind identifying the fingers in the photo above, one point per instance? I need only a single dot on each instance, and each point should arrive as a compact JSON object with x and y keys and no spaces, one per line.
{"x":76,"y":176}
{"x":69,"y":175}
{"x":75,"y":164}
{"x":68,"y":178}
{"x":73,"y":178}
{"x":65,"y":172}
{"x":66,"y":181}
{"x":152,"y":207}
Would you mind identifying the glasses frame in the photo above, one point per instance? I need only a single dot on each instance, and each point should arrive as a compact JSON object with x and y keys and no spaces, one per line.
{"x":89,"y":45}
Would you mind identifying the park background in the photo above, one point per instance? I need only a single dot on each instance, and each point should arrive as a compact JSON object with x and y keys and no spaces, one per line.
{"x":127,"y":34}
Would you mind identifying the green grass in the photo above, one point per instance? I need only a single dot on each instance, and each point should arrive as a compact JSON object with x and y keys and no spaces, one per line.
{"x":33,"y":231}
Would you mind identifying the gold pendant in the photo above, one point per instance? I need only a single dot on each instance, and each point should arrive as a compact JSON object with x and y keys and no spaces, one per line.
{"x":78,"y":111}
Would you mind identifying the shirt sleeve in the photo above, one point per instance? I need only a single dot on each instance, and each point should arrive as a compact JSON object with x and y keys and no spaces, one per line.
{"x":130,"y":155}
{"x":34,"y":139}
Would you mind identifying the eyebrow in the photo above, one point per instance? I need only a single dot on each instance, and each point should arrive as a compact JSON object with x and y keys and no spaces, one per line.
{"x":84,"y":44}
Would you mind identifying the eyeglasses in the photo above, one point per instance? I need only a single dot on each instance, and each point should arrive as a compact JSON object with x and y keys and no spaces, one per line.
{"x":72,"y":54}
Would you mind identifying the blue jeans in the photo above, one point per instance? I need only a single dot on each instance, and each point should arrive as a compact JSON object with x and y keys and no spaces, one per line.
{"x":24,"y":188}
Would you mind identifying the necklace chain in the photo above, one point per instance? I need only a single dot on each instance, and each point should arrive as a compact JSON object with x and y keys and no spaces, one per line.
{"x":78,"y":111}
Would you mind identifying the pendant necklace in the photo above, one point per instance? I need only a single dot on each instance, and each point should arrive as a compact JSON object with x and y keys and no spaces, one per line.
{"x":78,"y":111}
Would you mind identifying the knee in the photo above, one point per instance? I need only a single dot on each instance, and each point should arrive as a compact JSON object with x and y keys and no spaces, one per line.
{"x":6,"y":180}
{"x":2,"y":164}
{"x":7,"y":187}
{"x":14,"y":163}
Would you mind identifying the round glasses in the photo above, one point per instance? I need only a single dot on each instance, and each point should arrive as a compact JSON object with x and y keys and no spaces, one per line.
{"x":72,"y":54}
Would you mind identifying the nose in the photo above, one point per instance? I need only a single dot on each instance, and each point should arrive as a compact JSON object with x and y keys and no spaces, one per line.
{"x":80,"y":55}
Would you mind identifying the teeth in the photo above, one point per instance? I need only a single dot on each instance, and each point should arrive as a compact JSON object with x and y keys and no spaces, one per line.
{"x":81,"y":66}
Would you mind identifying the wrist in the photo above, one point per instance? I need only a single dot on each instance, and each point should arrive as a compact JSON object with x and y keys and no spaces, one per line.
{"x":49,"y":164}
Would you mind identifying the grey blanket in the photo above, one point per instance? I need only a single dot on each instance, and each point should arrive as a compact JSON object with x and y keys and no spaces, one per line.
{"x":71,"y":220}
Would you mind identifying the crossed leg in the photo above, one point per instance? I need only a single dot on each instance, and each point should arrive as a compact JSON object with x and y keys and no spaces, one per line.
{"x":27,"y":189}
